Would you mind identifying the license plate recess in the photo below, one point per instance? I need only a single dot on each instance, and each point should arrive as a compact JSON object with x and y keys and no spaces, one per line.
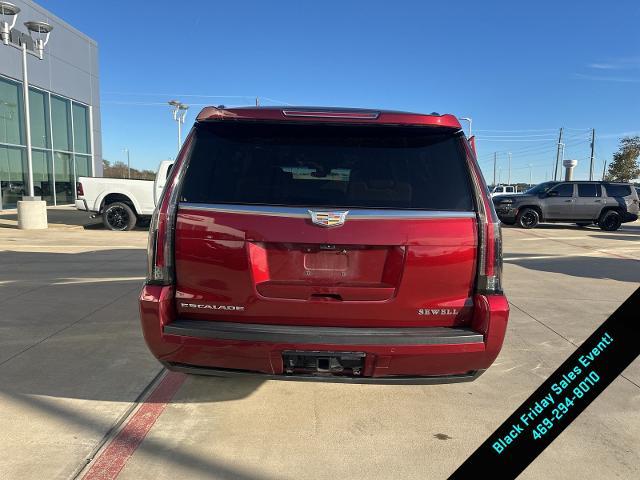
{"x":323,"y":363}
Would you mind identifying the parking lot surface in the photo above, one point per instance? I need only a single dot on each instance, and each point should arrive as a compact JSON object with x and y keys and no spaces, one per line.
{"x":74,"y":369}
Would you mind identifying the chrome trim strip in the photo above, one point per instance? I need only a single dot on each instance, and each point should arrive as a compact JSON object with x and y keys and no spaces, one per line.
{"x":303,"y":212}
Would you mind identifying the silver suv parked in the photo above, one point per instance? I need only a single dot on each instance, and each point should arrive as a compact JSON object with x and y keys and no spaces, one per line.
{"x":606,"y":204}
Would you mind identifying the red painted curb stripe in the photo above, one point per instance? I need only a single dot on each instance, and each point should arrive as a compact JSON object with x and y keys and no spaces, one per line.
{"x":114,"y":457}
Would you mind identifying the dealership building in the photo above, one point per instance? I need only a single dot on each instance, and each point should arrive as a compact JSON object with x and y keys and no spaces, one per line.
{"x":64,"y":110}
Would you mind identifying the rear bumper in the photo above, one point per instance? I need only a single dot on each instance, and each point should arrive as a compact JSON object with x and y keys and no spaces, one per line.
{"x":506,"y":212}
{"x":81,"y":204}
{"x":393,"y":355}
{"x":301,"y":335}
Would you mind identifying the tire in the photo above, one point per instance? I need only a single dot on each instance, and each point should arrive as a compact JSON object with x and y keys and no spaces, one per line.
{"x":528,"y":218}
{"x":610,"y":221}
{"x":119,"y":216}
{"x":583,"y":224}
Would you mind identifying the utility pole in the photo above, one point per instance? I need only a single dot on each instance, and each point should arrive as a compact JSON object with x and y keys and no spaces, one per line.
{"x":530,"y":174}
{"x":593,"y":144}
{"x":126,"y":150}
{"x":509,"y":180}
{"x":257,"y":102}
{"x":495,"y":161}
{"x":555,"y":171}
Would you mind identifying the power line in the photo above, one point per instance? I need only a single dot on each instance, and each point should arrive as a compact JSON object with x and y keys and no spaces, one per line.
{"x":489,"y":139}
{"x":537,"y":148}
{"x":164,"y":104}
{"x":526,"y":150}
{"x":516,"y":131}
{"x":140,"y":104}
{"x":517,"y":136}
{"x":530,"y":130}
{"x":148,"y":94}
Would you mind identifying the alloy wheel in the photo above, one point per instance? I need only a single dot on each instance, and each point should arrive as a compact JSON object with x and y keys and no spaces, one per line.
{"x":118,"y":218}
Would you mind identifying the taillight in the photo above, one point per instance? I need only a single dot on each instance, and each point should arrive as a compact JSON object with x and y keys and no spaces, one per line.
{"x":490,"y":261}
{"x":79,"y":189}
{"x":160,"y":266}
{"x":489,"y":276}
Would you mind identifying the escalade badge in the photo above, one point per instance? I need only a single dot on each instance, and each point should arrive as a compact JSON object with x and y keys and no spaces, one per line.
{"x":208,"y":306}
{"x":328,"y":219}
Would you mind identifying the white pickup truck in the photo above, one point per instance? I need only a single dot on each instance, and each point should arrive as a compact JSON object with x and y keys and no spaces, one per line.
{"x":503,"y":189}
{"x":121,"y":202}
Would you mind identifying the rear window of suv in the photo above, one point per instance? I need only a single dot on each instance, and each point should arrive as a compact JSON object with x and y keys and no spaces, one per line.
{"x":327,"y":166}
{"x":618,"y":190}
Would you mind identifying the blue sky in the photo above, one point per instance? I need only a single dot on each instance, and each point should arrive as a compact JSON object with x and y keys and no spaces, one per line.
{"x":521,"y":70}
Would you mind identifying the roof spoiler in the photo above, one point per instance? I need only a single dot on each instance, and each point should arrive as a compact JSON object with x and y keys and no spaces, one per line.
{"x":324,"y":114}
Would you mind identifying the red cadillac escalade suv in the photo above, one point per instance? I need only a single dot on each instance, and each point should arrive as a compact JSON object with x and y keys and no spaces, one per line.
{"x":329,"y":244}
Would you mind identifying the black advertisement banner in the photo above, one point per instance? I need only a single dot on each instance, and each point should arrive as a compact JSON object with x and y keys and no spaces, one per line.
{"x":561,"y":398}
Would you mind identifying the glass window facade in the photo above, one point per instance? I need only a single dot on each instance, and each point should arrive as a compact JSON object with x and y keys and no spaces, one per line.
{"x":10,"y":113}
{"x":43,"y":175}
{"x":39,"y":115}
{"x":61,"y":123}
{"x":64,"y":177}
{"x":60,"y":140}
{"x":12,"y":174}
{"x":81,"y":139}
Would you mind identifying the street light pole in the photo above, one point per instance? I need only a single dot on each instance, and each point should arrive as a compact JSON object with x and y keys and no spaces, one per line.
{"x":509,"y":181}
{"x":470,"y":120}
{"x":32,"y":211}
{"x":27,"y":118}
{"x":9,"y":10}
{"x":179,"y":112}
{"x":179,"y":134}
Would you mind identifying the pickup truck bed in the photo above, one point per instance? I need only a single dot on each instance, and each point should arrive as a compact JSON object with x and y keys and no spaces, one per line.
{"x":120,"y":201}
{"x":96,"y":190}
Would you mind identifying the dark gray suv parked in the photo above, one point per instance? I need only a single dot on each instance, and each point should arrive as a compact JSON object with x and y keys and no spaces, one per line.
{"x":607,"y":204}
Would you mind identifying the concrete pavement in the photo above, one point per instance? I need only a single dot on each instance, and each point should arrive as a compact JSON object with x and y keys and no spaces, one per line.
{"x":73,"y":362}
{"x":72,"y":359}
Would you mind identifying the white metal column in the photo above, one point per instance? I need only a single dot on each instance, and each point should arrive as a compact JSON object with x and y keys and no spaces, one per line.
{"x":53,"y":157}
{"x":27,"y":118}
